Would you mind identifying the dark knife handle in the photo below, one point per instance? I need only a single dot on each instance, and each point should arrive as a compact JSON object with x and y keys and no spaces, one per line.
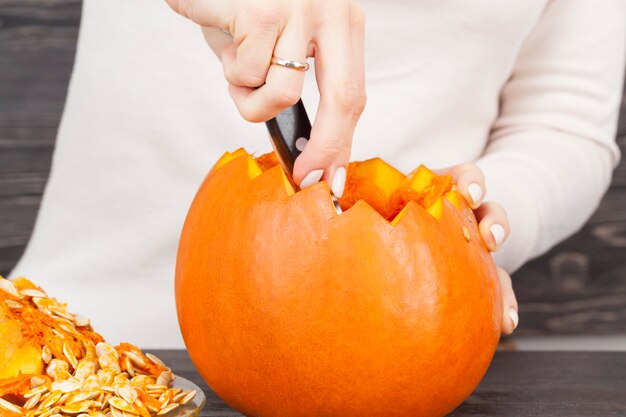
{"x":285,"y":129}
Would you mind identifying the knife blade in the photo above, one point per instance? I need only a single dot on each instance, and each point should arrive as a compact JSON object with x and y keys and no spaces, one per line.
{"x":289,"y":132}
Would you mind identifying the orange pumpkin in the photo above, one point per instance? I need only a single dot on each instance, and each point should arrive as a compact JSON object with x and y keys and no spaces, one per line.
{"x":289,"y":309}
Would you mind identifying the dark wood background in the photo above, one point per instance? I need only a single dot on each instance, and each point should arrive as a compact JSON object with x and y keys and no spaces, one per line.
{"x":578,"y":288}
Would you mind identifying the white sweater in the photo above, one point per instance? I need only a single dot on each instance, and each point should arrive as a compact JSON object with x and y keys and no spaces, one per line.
{"x":528,"y":89}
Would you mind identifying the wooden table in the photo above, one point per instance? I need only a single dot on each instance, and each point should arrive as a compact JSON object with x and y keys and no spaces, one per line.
{"x":521,"y":384}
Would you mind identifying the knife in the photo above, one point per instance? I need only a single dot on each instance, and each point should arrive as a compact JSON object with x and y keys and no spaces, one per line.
{"x":289,"y":132}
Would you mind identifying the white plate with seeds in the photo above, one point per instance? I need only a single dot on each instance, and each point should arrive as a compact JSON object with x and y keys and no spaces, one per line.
{"x":192,"y":408}
{"x":84,"y":375}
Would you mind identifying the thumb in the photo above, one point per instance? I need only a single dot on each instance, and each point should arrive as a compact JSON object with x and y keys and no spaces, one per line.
{"x":323,"y":159}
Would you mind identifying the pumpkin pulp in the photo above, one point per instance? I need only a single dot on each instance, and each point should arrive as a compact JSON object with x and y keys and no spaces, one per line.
{"x":374,"y":181}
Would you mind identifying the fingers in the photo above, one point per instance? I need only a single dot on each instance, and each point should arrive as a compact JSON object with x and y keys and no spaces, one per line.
{"x":470,"y":183}
{"x":337,"y":178}
{"x":247,"y":53}
{"x":247,"y":60}
{"x":357,"y":20}
{"x":330,"y":30}
{"x":283,"y":86}
{"x":510,"y":316}
{"x":493,"y":224}
{"x":340,"y":77}
{"x":203,"y":12}
{"x":217,"y":40}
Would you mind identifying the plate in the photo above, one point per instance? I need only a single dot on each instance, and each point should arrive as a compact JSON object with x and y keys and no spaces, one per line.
{"x":192,"y":408}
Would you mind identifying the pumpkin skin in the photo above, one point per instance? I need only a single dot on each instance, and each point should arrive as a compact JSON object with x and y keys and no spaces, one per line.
{"x":289,"y":309}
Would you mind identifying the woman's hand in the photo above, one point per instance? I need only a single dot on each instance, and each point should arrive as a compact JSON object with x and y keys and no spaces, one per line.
{"x":494,"y":228}
{"x":332,"y":31}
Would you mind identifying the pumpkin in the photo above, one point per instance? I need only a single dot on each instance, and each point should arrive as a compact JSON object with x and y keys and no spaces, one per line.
{"x":287,"y":308}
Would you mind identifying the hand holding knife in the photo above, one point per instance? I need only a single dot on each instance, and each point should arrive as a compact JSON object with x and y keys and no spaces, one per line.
{"x":290,"y":130}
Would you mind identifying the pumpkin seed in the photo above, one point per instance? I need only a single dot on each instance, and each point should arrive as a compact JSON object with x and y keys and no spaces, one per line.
{"x":116,"y":413}
{"x":107,"y":361}
{"x":128,"y":365}
{"x":81,"y":396}
{"x":466,"y":233}
{"x":8,"y":287}
{"x":81,"y":321}
{"x":85,"y":369}
{"x":190,"y":396}
{"x":32,"y":401}
{"x":165,"y":378}
{"x":69,"y":385}
{"x":128,"y":394}
{"x":31,"y":292}
{"x":156,"y":360}
{"x":12,"y":304}
{"x":52,"y":398}
{"x":168,"y":409}
{"x":70,"y":356}
{"x":156,"y":387}
{"x":46,"y":354}
{"x":121,"y":404}
{"x":36,"y":381}
{"x":9,"y":406}
{"x":103,"y":348}
{"x":56,"y":366}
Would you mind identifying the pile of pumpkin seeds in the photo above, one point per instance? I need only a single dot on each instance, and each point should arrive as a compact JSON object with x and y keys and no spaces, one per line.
{"x":97,"y":380}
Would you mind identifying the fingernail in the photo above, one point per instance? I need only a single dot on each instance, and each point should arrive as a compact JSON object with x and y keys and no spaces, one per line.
{"x":339,"y":182}
{"x":514,"y":317}
{"x":475,"y":191}
{"x":497,"y":231}
{"x":311,"y":178}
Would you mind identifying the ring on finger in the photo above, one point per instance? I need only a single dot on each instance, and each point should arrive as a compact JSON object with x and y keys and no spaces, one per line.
{"x":287,"y":63}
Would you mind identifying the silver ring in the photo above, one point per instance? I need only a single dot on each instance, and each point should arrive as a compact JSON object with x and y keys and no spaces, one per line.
{"x":287,"y":63}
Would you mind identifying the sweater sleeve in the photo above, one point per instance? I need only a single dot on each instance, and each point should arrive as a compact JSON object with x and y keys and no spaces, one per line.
{"x":552,"y":150}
